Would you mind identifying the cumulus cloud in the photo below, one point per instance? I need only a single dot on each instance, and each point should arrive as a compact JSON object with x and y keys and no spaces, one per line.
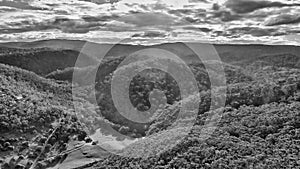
{"x":180,"y":12}
{"x":20,"y":4}
{"x":195,"y":1}
{"x":226,"y":16}
{"x":202,"y":29}
{"x":150,"y":34}
{"x":293,"y":38}
{"x":253,"y":31}
{"x":7,"y":9}
{"x":61,"y":23}
{"x":155,"y":7}
{"x":73,"y":25}
{"x":246,"y":6}
{"x":148,"y":19}
{"x":283,"y":19}
{"x":157,"y":20}
{"x":102,"y":18}
{"x":102,"y":1}
{"x":191,"y":20}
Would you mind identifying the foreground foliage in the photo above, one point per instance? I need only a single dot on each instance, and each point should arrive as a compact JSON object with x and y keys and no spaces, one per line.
{"x":31,"y":109}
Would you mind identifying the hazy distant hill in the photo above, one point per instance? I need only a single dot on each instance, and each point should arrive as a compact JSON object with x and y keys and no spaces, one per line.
{"x":228,"y":53}
{"x":44,"y":60}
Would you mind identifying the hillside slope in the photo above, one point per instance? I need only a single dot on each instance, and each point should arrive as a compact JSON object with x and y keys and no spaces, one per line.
{"x":259,"y":126}
{"x":43,"y":61}
{"x":259,"y":129}
{"x":32,"y":110}
{"x":249,"y":137}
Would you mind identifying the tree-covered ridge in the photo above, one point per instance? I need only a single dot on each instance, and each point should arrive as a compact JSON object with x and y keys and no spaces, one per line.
{"x":259,"y":127}
{"x":34,"y":109}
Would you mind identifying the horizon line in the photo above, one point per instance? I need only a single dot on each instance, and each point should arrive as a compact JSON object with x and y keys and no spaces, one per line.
{"x":153,"y":44}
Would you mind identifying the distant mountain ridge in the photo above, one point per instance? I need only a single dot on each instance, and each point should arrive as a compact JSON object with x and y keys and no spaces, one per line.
{"x":228,"y":52}
{"x":43,"y":60}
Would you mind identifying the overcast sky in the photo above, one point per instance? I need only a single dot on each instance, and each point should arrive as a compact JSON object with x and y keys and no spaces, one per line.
{"x":152,"y":21}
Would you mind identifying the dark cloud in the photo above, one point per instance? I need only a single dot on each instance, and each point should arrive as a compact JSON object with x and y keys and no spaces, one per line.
{"x":20,"y":4}
{"x":216,"y":7}
{"x":253,"y":31}
{"x":159,"y":6}
{"x":187,"y":11}
{"x":191,"y":20}
{"x":283,"y":20}
{"x":226,"y":16}
{"x":74,"y":25}
{"x":294,"y":31}
{"x":202,"y":29}
{"x":134,"y":12}
{"x":181,"y":12}
{"x":151,"y":34}
{"x":101,"y":18}
{"x":52,"y":5}
{"x":144,"y":7}
{"x":148,"y":19}
{"x":61,"y":12}
{"x":99,"y":2}
{"x":246,"y":6}
{"x":62,"y":23}
{"x":205,"y":29}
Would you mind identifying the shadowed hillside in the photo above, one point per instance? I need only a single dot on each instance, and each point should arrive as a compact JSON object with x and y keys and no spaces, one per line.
{"x":43,"y":60}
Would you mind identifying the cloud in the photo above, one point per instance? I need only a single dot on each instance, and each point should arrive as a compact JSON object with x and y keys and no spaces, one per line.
{"x":99,"y":2}
{"x":155,"y":21}
{"x":246,"y":6}
{"x":216,"y":7}
{"x":225,"y":16}
{"x":102,"y":18}
{"x":294,"y":38}
{"x":159,"y":6}
{"x":64,"y":24}
{"x":191,"y":20}
{"x":7,"y":9}
{"x":148,"y":19}
{"x":156,"y":6}
{"x":202,"y":29}
{"x":181,"y":12}
{"x":253,"y":31}
{"x":150,"y":34}
{"x":20,"y":4}
{"x":283,"y":20}
{"x":73,"y":25}
{"x":190,"y":16}
{"x":195,"y":1}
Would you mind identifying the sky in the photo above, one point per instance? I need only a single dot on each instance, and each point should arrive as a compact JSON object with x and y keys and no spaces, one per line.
{"x":152,"y":21}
